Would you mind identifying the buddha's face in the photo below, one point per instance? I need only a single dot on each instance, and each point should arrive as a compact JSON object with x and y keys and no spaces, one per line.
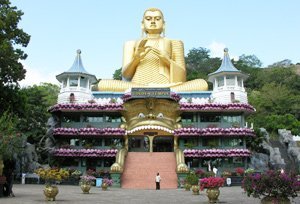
{"x":153,"y":22}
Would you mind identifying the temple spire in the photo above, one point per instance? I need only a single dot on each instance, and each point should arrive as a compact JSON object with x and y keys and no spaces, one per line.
{"x":226,"y":65}
{"x":77,"y":65}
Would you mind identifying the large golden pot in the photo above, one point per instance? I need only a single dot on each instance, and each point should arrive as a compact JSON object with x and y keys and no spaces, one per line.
{"x":271,"y":200}
{"x":85,"y":188}
{"x":195,"y":189}
{"x":50,"y":192}
{"x":104,"y":186}
{"x":213,"y":194}
{"x":187,"y":186}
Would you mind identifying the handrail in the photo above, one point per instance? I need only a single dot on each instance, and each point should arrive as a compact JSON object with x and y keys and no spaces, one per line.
{"x":118,"y":166}
{"x":181,"y":166}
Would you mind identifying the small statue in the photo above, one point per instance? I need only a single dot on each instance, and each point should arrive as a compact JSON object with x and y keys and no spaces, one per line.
{"x":153,"y":61}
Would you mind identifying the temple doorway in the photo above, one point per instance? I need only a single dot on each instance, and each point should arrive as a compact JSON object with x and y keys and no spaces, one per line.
{"x":163,"y":144}
{"x":138,"y":144}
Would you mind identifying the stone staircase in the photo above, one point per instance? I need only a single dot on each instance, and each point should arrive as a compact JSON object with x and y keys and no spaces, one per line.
{"x":290,"y":164}
{"x":141,"y":168}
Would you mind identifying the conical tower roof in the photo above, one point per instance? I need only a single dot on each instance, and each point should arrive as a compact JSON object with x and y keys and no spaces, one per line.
{"x":226,"y":68}
{"x":77,"y":69}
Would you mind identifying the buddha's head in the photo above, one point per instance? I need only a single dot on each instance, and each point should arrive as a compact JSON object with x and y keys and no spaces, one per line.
{"x":153,"y":21}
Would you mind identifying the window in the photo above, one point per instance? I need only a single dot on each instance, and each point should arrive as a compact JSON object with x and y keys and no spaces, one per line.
{"x":74,"y":142}
{"x":240,"y":82}
{"x":210,"y":118}
{"x":83,"y":82}
{"x":187,"y":119}
{"x":113,"y":119}
{"x":190,"y":142}
{"x":235,"y":121}
{"x":73,"y":81}
{"x":192,"y":162}
{"x":72,"y":98}
{"x":108,"y":141}
{"x":210,"y":142}
{"x":220,"y":81}
{"x":64,"y":83}
{"x":237,"y":160}
{"x":70,"y":118}
{"x":230,"y":80}
{"x":232,"y":97}
{"x":233,"y":142}
{"x":95,"y":119}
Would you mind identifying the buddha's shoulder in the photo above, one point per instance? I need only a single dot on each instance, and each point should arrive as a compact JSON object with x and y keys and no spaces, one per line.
{"x":130,"y":43}
{"x":174,"y":41}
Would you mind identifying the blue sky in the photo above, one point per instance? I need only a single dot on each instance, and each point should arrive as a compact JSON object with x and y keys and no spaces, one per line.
{"x":268,"y":29}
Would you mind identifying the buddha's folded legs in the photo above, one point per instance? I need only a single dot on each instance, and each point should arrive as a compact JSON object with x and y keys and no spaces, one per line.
{"x":194,"y":85}
{"x":116,"y":85}
{"x":121,"y":86}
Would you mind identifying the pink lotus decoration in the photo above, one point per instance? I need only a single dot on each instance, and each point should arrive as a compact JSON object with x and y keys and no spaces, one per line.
{"x":85,"y":152}
{"x":214,"y":132}
{"x":217,"y":107}
{"x":204,"y":153}
{"x":86,"y":106}
{"x":89,"y":131}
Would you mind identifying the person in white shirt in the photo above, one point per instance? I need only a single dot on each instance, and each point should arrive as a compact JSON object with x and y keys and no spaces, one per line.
{"x":157,"y":181}
{"x":215,"y":170}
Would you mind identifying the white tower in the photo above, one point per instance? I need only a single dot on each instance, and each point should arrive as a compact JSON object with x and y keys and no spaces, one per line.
{"x":228,"y":83}
{"x":75,"y":83}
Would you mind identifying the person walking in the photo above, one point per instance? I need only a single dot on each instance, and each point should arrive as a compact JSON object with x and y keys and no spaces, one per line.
{"x":9,"y":168}
{"x":157,"y":181}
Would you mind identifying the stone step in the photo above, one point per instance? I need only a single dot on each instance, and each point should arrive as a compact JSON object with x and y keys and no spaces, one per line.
{"x":141,"y":168}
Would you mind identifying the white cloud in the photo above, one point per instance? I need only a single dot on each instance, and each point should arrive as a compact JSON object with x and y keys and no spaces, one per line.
{"x":217,"y":50}
{"x":35,"y":76}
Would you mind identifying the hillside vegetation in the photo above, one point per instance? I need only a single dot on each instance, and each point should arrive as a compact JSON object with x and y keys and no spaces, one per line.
{"x":273,"y":91}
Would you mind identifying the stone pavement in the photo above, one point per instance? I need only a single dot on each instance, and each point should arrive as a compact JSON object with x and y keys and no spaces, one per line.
{"x":33,"y":193}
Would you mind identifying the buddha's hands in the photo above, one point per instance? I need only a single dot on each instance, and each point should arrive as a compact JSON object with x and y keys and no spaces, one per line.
{"x":141,"y":50}
{"x":163,"y":55}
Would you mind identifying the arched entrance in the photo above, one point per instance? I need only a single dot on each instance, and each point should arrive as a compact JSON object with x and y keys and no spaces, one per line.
{"x":150,"y":143}
{"x":138,"y":144}
{"x":163,"y":144}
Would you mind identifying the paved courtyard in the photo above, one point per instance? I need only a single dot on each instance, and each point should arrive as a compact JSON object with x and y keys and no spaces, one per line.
{"x":30,"y":193}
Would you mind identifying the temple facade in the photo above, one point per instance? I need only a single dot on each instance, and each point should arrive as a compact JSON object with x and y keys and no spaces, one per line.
{"x":201,"y":129}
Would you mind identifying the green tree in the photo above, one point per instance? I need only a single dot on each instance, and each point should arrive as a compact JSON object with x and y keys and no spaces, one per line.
{"x":249,"y":61}
{"x":118,"y":74}
{"x":10,"y":139}
{"x":287,"y":121}
{"x":35,"y":115}
{"x":11,"y":39}
{"x":199,"y":64}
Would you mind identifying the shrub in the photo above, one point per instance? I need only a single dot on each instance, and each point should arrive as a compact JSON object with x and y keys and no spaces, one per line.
{"x":192,"y":178}
{"x":271,"y":183}
{"x":239,"y":171}
{"x":200,"y":173}
{"x":52,"y":175}
{"x":211,"y":182}
{"x":226,"y":173}
{"x":107,"y":181}
{"x":87,"y":180}
{"x":209,"y":174}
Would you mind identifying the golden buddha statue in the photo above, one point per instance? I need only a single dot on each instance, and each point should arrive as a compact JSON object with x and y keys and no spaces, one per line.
{"x":153,"y":61}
